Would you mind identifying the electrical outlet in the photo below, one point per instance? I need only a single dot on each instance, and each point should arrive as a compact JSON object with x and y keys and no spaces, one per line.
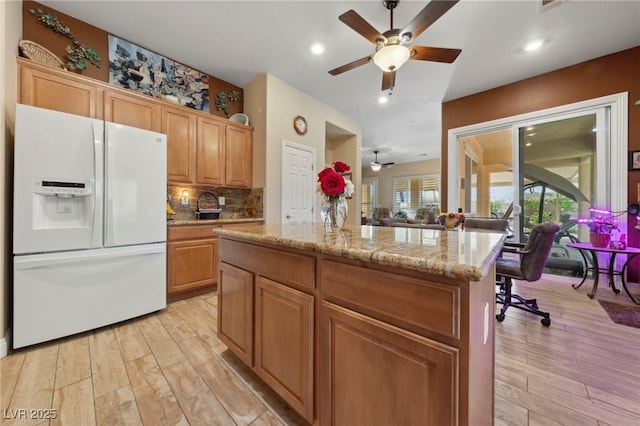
{"x":221,"y":201}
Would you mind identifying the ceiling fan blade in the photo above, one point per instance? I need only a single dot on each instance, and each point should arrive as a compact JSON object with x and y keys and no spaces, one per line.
{"x":351,"y":65}
{"x":362,"y":27}
{"x":427,"y":16}
{"x":435,"y":54}
{"x":388,"y":165}
{"x":388,"y":80}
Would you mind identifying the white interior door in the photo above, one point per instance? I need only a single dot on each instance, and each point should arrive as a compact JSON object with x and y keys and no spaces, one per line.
{"x":298,"y":182}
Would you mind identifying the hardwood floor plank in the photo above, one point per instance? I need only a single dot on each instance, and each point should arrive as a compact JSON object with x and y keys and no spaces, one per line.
{"x":177,"y":328}
{"x":34,"y":389}
{"x":74,"y":404}
{"x":132,"y":342}
{"x":509,"y":413}
{"x":74,"y":361}
{"x":107,"y":366}
{"x":583,"y":405}
{"x":163,"y":346}
{"x":199,"y":318}
{"x":550,"y":408}
{"x":582,"y":370}
{"x":156,"y":402}
{"x":199,"y":404}
{"x":10,"y":368}
{"x":233,"y":394}
{"x":118,"y":408}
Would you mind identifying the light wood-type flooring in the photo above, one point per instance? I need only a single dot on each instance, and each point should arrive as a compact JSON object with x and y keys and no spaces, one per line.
{"x":169,"y":368}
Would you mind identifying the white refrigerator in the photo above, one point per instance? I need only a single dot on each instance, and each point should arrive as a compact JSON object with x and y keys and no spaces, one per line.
{"x":89,"y":225}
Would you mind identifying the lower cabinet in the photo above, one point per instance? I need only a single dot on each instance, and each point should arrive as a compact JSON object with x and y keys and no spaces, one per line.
{"x":283,"y":355}
{"x":192,"y":258}
{"x":375,"y":373}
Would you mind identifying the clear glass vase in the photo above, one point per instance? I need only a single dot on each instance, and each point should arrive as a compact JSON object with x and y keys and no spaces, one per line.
{"x":333,"y":213}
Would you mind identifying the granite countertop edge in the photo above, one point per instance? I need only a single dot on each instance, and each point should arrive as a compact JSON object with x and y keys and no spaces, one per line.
{"x":179,"y":222}
{"x":379,"y":257}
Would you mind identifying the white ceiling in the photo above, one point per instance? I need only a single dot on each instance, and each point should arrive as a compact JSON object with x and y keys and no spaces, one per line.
{"x":234,"y":40}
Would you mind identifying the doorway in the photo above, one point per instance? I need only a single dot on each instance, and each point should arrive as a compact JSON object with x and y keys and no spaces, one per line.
{"x":298,"y":183}
{"x":549,"y":165}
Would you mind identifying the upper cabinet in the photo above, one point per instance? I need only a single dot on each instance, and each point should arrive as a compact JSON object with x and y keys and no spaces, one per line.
{"x":210,"y":151}
{"x":132,"y":109}
{"x":39,"y":87}
{"x":238,"y":156}
{"x":202,"y":149}
{"x":180,"y":127}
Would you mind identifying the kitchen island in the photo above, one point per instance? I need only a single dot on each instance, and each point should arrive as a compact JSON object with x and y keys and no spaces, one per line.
{"x":371,"y":325}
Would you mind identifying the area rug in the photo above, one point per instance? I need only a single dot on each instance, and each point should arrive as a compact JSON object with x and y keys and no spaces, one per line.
{"x":625,"y":315}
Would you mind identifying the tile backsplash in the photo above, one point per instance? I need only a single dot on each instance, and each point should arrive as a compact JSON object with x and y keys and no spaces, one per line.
{"x":239,"y":203}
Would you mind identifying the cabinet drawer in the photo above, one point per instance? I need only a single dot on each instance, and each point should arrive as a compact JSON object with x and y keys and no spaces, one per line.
{"x":175,"y":233}
{"x":279,"y":265}
{"x":411,"y":303}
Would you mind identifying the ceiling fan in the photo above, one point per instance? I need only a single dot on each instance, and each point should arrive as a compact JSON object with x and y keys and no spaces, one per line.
{"x":376,"y":166}
{"x":391,"y":46}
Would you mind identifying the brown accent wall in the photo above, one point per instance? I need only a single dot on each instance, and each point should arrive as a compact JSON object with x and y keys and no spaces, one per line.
{"x":90,"y":36}
{"x":615,"y":73}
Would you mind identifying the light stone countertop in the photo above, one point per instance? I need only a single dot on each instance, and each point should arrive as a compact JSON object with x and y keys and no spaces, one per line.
{"x":178,"y":222}
{"x":458,"y":254}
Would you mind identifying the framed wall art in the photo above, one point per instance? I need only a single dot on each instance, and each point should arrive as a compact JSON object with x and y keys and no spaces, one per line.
{"x":634,"y":160}
{"x":136,"y":68}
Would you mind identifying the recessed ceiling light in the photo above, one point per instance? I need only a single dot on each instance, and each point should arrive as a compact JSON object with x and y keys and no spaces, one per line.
{"x":534,"y":45}
{"x":317,"y":48}
{"x":383,"y":99}
{"x":528,"y":144}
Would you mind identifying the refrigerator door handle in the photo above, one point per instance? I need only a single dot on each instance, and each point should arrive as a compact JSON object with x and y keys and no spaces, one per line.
{"x":39,"y":261}
{"x":96,"y":232}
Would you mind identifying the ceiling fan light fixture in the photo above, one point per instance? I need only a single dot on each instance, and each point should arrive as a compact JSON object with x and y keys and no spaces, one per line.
{"x":376,"y":167}
{"x":391,"y":57}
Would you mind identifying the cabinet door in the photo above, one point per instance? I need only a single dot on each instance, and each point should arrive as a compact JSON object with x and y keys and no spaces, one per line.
{"x":50,"y":91}
{"x":284,"y":343}
{"x":238,"y":156}
{"x":132,"y":110}
{"x":210,"y":152}
{"x":180,"y":128}
{"x":235,"y":310}
{"x":375,"y":373}
{"x":191,"y":265}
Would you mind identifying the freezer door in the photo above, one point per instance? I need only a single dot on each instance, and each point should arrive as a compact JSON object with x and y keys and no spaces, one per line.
{"x":135,"y":185}
{"x":58,"y":186}
{"x":60,"y":294}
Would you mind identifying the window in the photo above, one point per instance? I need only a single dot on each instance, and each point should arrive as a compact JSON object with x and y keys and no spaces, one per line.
{"x":369,"y":195}
{"x":413,"y":192}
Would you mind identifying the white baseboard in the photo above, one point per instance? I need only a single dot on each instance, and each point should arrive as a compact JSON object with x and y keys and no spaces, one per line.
{"x":4,"y":345}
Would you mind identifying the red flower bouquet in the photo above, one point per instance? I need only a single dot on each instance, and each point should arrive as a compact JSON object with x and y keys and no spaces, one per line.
{"x":332,"y":183}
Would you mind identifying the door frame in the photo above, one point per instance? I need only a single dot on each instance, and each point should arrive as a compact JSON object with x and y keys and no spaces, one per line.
{"x":618,"y":138}
{"x":300,"y":147}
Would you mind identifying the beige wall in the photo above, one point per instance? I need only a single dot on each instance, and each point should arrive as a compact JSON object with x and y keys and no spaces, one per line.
{"x":385,"y":177}
{"x":271,"y":105}
{"x":11,"y":22}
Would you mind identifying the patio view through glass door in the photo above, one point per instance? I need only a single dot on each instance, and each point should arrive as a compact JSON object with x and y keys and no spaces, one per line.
{"x":549,"y":170}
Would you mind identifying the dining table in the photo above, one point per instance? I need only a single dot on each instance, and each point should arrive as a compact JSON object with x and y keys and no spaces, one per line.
{"x":610,"y":269}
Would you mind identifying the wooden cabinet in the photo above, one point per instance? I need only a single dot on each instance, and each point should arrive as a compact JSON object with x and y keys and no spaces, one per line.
{"x":192,"y":259}
{"x":370,"y":369}
{"x":387,"y":345}
{"x":40,"y":87}
{"x":132,"y":110}
{"x":283,"y":355}
{"x":180,"y":127}
{"x":267,"y":322}
{"x":238,"y":156}
{"x":235,"y":310}
{"x":202,"y":149}
{"x":210,"y":146}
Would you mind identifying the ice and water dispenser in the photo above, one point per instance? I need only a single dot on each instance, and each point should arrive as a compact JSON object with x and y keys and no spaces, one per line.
{"x":62,"y":203}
